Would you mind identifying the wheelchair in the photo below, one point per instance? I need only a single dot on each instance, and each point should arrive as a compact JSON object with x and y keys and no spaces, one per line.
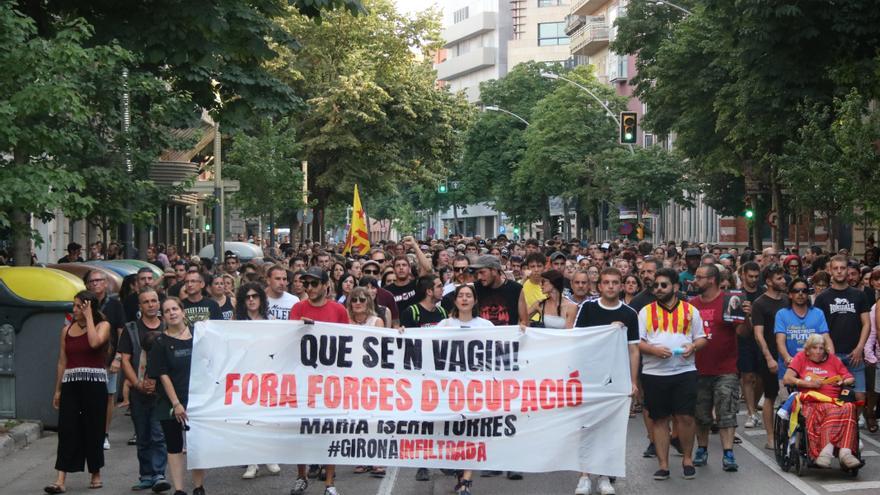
{"x":792,"y":452}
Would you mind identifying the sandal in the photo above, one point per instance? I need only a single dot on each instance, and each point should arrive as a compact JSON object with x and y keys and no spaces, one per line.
{"x":361,"y":469}
{"x":378,"y":472}
{"x":54,"y":488}
{"x":872,"y":428}
{"x":94,"y":485}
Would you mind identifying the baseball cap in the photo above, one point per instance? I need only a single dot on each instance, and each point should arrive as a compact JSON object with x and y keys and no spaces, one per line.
{"x":692,"y":252}
{"x":316,"y":272}
{"x":487,"y":261}
{"x":557,"y":255}
{"x":370,"y":262}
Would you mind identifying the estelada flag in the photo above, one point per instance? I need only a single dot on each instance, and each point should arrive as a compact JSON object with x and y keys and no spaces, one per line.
{"x":357,"y":239}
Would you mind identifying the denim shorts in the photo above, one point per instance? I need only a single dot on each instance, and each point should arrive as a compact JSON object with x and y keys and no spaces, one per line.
{"x":858,"y":372}
{"x":112,"y":382}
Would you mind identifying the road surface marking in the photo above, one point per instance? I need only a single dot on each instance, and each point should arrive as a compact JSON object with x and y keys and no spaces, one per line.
{"x":754,"y":433}
{"x":855,"y":485}
{"x":387,"y":485}
{"x":868,"y":439}
{"x":793,"y":480}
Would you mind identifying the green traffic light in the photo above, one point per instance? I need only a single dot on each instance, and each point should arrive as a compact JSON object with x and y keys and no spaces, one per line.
{"x":750,"y":214}
{"x":629,"y":136}
{"x":442,"y":189}
{"x":208,"y":227}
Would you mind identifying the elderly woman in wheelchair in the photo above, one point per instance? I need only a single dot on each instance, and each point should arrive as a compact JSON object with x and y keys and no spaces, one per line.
{"x":825,"y":404}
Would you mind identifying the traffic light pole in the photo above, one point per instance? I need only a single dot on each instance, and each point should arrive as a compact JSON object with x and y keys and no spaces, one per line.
{"x":218,"y":197}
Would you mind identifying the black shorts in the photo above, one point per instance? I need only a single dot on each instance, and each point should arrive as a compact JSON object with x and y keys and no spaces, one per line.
{"x":173,"y":435}
{"x":666,"y":396}
{"x":747,"y":355}
{"x":768,"y":379}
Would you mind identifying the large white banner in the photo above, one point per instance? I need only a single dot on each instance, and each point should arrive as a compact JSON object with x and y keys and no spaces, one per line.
{"x":486,"y":398}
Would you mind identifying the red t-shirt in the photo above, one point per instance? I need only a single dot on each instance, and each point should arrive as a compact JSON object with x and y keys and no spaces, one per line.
{"x":718,"y":357}
{"x":806,"y":369}
{"x":330,"y":312}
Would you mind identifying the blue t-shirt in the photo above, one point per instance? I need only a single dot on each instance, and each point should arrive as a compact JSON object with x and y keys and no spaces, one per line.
{"x":797,"y":330}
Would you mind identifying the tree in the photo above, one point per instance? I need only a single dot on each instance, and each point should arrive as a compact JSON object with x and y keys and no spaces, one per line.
{"x":650,"y":177}
{"x":373,"y":116}
{"x":267,"y":167}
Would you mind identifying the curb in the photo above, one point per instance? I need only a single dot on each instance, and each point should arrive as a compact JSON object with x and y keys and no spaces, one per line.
{"x":20,"y":437}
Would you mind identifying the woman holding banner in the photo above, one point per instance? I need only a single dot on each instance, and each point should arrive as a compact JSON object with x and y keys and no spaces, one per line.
{"x":253,"y":304}
{"x":169,"y":363}
{"x":464,"y":315}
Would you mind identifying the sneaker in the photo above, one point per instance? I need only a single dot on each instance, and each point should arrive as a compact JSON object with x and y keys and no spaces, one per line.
{"x":750,"y":422}
{"x":701,"y":457}
{"x":661,"y":475}
{"x":142,"y":485}
{"x":651,"y":451}
{"x":330,"y":490}
{"x":676,"y":444}
{"x":314,"y":471}
{"x":689,"y":472}
{"x":299,"y":486}
{"x":106,"y":442}
{"x":584,"y":486}
{"x":199,"y":490}
{"x":133,"y":440}
{"x":422,"y":474}
{"x":514,"y":475}
{"x":273,"y":468}
{"x":605,"y":486}
{"x":161,"y":485}
{"x":728,"y":462}
{"x":463,"y":487}
{"x":251,"y":472}
{"x":758,"y":421}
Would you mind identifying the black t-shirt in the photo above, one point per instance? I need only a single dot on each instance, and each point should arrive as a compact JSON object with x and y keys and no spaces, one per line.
{"x":172,"y":357}
{"x":115,"y":314}
{"x":416,"y":316}
{"x":764,"y":310}
{"x":125,"y":344}
{"x":593,"y":313}
{"x":642,"y":299}
{"x":174,"y":290}
{"x":501,"y":305}
{"x":843,"y":311}
{"x":205,"y":309}
{"x":404,"y":296}
{"x":132,"y":307}
{"x":227,"y":310}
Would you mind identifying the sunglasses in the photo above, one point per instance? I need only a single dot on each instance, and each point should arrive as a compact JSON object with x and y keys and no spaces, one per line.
{"x":662,"y":285}
{"x":460,"y":269}
{"x":800,"y":291}
{"x":252,"y":296}
{"x":380,"y":260}
{"x":371,"y":272}
{"x":311,"y":283}
{"x":358,"y":300}
{"x":95,"y":280}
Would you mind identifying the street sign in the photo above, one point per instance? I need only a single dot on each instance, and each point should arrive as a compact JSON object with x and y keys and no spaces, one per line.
{"x":305,"y":217}
{"x":772,"y":218}
{"x":207,"y":186}
{"x":502,"y":229}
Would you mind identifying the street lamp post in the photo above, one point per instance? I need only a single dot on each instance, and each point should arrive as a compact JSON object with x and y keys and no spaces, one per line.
{"x":674,"y":6}
{"x":493,"y":108}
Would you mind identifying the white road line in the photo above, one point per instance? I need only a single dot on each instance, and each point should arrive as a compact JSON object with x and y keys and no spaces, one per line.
{"x":855,"y":485}
{"x":793,"y":480}
{"x":868,"y":439}
{"x":870,"y":453}
{"x":753,"y":433}
{"x":387,"y":485}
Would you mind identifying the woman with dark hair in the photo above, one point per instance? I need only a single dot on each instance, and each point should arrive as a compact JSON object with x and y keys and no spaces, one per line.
{"x":554,"y":310}
{"x":81,"y":392}
{"x":372,"y":286}
{"x":632,"y":285}
{"x":820,"y":281}
{"x":217,"y":289}
{"x":344,"y":285}
{"x":464,"y":315}
{"x":337,"y":270}
{"x":388,"y":276}
{"x":169,"y":364}
{"x":251,"y":302}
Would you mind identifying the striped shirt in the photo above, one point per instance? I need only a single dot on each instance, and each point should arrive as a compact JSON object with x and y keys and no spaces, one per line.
{"x":671,"y":329}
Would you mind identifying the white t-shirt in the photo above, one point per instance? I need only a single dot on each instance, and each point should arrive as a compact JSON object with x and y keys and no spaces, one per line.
{"x":279,"y":309}
{"x":674,"y":329}
{"x":475,"y":322}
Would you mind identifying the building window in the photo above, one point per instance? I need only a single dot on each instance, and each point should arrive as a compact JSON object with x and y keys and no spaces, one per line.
{"x":649,"y":140}
{"x":550,"y":3}
{"x":460,"y":15}
{"x":552,"y":33}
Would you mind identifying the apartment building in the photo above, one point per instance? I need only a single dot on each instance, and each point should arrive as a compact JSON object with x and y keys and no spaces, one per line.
{"x":475,"y":49}
{"x":538,"y":31}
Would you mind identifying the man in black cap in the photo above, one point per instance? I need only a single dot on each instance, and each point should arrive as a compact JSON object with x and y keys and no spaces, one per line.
{"x":74,"y":251}
{"x":686,"y":278}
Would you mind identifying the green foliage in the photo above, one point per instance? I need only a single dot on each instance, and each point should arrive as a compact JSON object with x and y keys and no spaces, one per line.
{"x":651,"y":176}
{"x":267,"y":166}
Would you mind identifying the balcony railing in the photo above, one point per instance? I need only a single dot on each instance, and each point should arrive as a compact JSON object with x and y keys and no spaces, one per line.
{"x":591,"y":38}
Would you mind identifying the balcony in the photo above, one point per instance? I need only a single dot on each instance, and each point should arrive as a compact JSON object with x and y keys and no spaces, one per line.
{"x":483,"y":22}
{"x":472,"y":61}
{"x":591,"y":38}
{"x":573,"y":23}
{"x":586,"y":7}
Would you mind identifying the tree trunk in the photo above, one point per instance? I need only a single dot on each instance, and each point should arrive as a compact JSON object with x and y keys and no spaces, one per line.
{"x":776,"y":205}
{"x":757,"y":223}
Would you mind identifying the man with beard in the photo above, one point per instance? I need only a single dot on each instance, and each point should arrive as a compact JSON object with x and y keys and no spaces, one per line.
{"x":648,"y":270}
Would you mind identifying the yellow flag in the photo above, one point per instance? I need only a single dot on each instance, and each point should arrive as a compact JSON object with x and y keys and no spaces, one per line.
{"x":357,"y":241}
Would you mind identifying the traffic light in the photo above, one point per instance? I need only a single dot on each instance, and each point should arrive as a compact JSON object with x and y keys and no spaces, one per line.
{"x":207,"y":227}
{"x":749,"y":212}
{"x":443,"y":187}
{"x":628,"y":127}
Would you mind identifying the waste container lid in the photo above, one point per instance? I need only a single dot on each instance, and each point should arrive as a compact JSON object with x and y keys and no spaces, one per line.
{"x":35,"y":283}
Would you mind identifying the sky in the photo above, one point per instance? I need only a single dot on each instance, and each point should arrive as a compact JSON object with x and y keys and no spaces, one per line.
{"x":415,"y":5}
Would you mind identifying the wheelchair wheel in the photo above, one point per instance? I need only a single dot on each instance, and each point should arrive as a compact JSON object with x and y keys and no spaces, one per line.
{"x":780,"y":443}
{"x":796,"y":462}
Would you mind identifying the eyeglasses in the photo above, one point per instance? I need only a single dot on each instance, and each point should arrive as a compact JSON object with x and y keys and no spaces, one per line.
{"x":252,"y":296}
{"x":800,"y":291}
{"x":662,"y":285}
{"x":459,"y":269}
{"x":371,"y":272}
{"x":96,"y":280}
{"x":382,"y":260}
{"x":311,"y":283}
{"x":358,"y":300}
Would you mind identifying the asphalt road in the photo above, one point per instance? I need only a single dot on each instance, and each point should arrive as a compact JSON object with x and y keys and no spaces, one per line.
{"x":27,"y":471}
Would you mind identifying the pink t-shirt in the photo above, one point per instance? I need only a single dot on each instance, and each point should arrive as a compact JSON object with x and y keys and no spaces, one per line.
{"x":808,"y":370}
{"x":330,"y":312}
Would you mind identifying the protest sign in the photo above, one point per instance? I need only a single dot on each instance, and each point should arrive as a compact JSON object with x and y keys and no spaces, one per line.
{"x":482,"y":398}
